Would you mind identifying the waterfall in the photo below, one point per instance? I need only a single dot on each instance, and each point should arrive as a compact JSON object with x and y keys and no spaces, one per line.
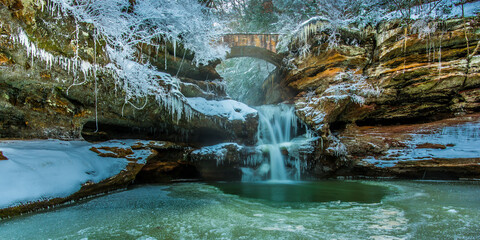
{"x":277,"y":126}
{"x":283,"y":146}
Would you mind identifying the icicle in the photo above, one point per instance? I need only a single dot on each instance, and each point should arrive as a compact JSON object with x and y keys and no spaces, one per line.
{"x":165,"y":47}
{"x":440,"y":55}
{"x":95,"y":78}
{"x":174,"y":49}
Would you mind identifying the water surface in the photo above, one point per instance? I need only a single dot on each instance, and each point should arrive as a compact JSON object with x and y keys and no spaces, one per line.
{"x":406,"y":210}
{"x":298,"y":192}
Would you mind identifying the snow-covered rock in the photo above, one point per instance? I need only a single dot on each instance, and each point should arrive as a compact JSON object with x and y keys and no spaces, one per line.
{"x":230,"y":109}
{"x":42,"y":170}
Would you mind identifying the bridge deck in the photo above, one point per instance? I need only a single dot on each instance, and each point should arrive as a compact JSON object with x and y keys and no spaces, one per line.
{"x":266,"y":41}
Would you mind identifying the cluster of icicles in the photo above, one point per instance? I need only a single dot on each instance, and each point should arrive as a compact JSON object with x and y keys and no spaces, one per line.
{"x":136,"y":80}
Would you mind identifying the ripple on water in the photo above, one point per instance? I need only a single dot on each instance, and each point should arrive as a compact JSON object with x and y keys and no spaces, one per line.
{"x":201,"y":211}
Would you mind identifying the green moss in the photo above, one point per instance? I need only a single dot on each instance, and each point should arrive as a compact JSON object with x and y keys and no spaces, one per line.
{"x":420,"y":88}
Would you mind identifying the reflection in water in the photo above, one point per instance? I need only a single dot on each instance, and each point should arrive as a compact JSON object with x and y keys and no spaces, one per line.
{"x":324,"y":191}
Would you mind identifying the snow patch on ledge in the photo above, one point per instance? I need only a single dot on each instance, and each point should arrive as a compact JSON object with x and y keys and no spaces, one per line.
{"x":230,"y":109}
{"x":44,"y":169}
{"x":460,"y":141}
{"x":218,"y":152}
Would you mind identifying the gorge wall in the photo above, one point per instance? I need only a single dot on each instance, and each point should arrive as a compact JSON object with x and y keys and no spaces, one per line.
{"x":394,"y":74}
{"x":354,"y":95}
{"x":49,"y":91}
{"x":43,"y":100}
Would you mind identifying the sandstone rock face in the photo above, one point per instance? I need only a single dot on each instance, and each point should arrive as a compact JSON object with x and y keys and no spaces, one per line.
{"x":410,"y":75}
{"x":39,"y":100}
{"x":423,"y":74}
{"x":445,"y":149}
{"x":395,"y":74}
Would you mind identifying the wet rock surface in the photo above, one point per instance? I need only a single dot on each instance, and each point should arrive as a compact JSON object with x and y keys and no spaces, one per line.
{"x":2,"y":157}
{"x":42,"y":101}
{"x":222,"y":161}
{"x":445,"y":149}
{"x":396,"y":74}
{"x":168,"y":164}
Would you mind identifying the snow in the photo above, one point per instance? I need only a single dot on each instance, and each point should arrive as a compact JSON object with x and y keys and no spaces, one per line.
{"x":470,"y":10}
{"x":215,"y":149}
{"x":45,"y":169}
{"x":218,"y":151}
{"x":461,"y":141}
{"x":150,"y":22}
{"x":230,"y":109}
{"x":464,"y":138}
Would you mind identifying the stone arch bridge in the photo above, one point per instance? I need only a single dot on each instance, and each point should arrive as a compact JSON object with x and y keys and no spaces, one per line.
{"x":261,"y":46}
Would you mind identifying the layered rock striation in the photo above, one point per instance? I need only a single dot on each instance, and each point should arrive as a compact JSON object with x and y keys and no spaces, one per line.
{"x":48,"y":90}
{"x":396,"y":73}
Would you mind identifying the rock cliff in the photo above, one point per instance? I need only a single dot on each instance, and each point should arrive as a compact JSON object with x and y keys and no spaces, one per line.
{"x":398,"y":73}
{"x":41,"y":99}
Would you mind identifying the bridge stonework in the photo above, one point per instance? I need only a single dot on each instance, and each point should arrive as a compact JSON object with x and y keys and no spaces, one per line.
{"x":265,"y":41}
{"x":261,"y":46}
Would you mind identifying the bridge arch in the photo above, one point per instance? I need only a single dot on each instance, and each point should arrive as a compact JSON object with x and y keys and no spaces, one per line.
{"x":255,"y":52}
{"x":261,"y":46}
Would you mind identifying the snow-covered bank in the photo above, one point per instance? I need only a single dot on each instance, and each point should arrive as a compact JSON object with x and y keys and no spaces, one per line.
{"x":44,"y":169}
{"x":450,"y":142}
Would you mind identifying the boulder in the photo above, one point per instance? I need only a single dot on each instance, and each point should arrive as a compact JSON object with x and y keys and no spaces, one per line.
{"x":168,"y":164}
{"x":223,"y":161}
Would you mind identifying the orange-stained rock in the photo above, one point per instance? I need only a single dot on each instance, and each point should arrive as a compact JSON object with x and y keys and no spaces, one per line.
{"x":431,"y":145}
{"x":2,"y":157}
{"x":319,"y":70}
{"x":420,"y":76}
{"x":113,"y":152}
{"x":4,"y":60}
{"x":88,"y":189}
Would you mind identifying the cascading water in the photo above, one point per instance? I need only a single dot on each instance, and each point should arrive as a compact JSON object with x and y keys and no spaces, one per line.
{"x":277,"y":125}
{"x":278,"y":145}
